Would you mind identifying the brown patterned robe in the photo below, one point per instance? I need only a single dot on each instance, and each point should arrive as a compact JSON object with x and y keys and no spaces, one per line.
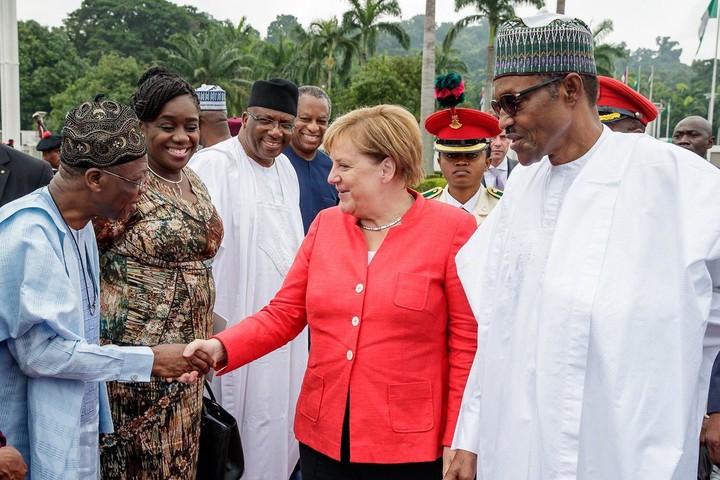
{"x":157,"y":287}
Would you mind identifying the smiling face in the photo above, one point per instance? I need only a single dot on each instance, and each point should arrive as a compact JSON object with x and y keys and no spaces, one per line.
{"x":313,"y":116}
{"x":122,"y":191}
{"x":173,"y":136}
{"x":540,"y":122}
{"x":261,"y":142}
{"x":356,"y":176}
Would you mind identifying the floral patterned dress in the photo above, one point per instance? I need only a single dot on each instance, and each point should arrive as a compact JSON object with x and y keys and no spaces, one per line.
{"x":157,"y":287}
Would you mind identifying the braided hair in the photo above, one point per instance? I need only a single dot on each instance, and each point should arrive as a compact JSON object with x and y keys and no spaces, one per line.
{"x":155,"y":88}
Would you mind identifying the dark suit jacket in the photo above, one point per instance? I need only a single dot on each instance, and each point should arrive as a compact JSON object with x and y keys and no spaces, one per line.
{"x":713,"y":403}
{"x":511,"y":164}
{"x":20,"y":174}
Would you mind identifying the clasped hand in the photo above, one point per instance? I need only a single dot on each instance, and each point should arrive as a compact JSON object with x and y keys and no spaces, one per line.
{"x":212,"y":349}
{"x":170,"y":362}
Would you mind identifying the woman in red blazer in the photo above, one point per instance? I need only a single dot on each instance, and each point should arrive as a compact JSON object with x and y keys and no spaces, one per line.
{"x":393,"y":337}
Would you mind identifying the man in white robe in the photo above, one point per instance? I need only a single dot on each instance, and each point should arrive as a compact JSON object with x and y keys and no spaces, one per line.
{"x":255,"y":189}
{"x":593,"y":283}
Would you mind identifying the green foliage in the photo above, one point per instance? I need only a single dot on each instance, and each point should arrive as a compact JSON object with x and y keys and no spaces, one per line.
{"x":329,"y":50}
{"x":389,"y":80}
{"x":113,"y":75}
{"x":48,"y":65}
{"x":60,"y":67}
{"x":431,"y":181}
{"x":283,"y":27}
{"x":606,"y":54}
{"x":129,"y":27}
{"x":214,"y":56}
{"x":365,"y":18}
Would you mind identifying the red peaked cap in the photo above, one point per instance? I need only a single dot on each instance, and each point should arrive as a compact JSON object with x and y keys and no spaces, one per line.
{"x":618,"y":100}
{"x":462,"y":129}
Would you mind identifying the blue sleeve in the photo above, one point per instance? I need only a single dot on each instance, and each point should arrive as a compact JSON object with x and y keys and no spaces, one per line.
{"x":41,"y":352}
{"x":39,"y":315}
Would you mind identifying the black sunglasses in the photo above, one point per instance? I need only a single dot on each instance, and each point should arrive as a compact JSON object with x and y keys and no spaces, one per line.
{"x":508,"y":102}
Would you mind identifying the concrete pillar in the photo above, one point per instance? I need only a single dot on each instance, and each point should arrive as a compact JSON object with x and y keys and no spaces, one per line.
{"x":9,"y":72}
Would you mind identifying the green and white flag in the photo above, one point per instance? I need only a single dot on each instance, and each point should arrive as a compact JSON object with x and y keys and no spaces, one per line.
{"x":711,"y":12}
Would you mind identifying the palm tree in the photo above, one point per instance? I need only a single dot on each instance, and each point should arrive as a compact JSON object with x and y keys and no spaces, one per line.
{"x":278,"y":58}
{"x":496,"y":12}
{"x":364,"y":18}
{"x":446,"y":61}
{"x":606,"y":53}
{"x":427,"y":99}
{"x":207,"y":57}
{"x":330,"y":41}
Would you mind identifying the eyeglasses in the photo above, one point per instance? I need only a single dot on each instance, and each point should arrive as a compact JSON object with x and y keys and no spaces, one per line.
{"x":508,"y":102}
{"x":268,"y":123}
{"x":139,"y":184}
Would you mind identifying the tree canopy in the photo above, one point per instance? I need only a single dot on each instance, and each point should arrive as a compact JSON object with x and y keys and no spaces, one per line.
{"x":364,"y":57}
{"x":129,"y":27}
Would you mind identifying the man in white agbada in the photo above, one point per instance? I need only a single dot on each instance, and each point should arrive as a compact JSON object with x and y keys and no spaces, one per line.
{"x":255,"y":189}
{"x":592,"y":282}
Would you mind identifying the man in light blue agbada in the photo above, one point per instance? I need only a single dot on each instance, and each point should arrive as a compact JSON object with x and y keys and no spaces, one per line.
{"x":53,"y":402}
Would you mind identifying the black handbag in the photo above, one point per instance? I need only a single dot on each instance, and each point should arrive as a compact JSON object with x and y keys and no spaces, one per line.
{"x":221,"y":454}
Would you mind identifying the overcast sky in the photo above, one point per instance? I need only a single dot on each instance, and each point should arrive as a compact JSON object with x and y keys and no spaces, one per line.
{"x":637,"y":22}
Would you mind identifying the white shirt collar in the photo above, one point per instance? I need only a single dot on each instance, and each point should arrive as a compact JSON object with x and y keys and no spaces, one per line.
{"x":503,"y":165}
{"x":469,"y":205}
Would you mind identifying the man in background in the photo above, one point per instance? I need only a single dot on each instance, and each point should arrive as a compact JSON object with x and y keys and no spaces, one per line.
{"x":311,"y":164}
{"x":213,"y":115}
{"x":496,"y":176}
{"x":255,"y":190}
{"x":49,"y":147}
{"x":695,"y":134}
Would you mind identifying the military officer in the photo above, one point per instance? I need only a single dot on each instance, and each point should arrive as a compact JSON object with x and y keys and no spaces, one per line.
{"x":463,"y":137}
{"x":623,"y":109}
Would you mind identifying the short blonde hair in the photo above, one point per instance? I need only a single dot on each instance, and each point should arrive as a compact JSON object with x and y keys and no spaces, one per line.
{"x":383,"y":131}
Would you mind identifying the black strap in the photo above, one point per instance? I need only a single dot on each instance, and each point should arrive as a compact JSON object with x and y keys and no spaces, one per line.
{"x":209,"y":390}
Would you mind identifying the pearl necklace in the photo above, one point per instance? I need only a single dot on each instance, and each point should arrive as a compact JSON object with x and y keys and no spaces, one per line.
{"x":382,"y":227}
{"x":175,"y":184}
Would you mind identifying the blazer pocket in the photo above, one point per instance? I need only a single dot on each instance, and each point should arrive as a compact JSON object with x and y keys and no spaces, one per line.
{"x":411,"y":407}
{"x":411,"y":291}
{"x":311,"y":395}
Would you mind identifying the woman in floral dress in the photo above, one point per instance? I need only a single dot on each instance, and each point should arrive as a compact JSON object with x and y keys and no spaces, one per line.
{"x":157,"y":287}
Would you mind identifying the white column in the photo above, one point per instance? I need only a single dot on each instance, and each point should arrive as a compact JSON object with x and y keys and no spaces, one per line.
{"x":9,"y":72}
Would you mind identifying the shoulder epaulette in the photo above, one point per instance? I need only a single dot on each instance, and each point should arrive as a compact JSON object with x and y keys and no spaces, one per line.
{"x":433,"y":193}
{"x":495,"y":192}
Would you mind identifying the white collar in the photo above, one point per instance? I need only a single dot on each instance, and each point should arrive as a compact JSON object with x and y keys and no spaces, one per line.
{"x":503,"y":165}
{"x":469,"y":205}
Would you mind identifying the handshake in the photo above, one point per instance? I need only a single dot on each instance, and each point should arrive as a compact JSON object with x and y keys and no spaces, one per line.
{"x":187,"y":362}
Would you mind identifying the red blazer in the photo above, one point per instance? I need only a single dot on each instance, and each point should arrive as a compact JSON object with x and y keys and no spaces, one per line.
{"x":397,"y":334}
